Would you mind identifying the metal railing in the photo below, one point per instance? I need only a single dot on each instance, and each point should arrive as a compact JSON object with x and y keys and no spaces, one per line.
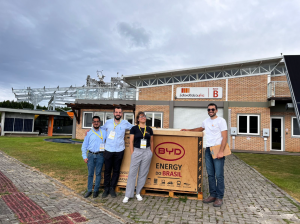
{"x":278,"y":89}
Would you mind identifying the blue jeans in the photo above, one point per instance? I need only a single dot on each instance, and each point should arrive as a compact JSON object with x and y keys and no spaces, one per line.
{"x":94,"y":164}
{"x":215,"y":171}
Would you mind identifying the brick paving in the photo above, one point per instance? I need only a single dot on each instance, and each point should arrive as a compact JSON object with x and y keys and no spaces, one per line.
{"x":249,"y":198}
{"x":28,"y":196}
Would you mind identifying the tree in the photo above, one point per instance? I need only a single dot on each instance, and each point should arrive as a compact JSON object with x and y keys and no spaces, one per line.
{"x":26,"y":105}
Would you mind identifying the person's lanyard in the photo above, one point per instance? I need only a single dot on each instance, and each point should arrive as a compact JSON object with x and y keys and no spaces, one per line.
{"x":115,"y":125}
{"x":101,"y":137}
{"x":144,"y":131}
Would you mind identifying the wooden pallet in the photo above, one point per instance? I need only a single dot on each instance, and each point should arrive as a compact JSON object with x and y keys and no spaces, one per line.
{"x":166,"y":193}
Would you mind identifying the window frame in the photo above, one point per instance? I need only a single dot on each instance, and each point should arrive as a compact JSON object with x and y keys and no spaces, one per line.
{"x":83,"y":118}
{"x":23,"y":123}
{"x":248,"y":124}
{"x":130,"y":113}
{"x":156,"y":112}
{"x":105,"y":116}
{"x":292,"y":127}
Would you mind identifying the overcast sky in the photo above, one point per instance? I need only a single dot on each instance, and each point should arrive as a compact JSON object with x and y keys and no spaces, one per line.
{"x":51,"y":43}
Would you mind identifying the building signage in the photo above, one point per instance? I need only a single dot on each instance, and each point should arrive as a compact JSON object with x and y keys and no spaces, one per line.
{"x":199,"y":92}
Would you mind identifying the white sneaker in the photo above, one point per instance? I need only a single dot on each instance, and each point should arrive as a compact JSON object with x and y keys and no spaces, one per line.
{"x":138,"y":197}
{"x":125,"y":200}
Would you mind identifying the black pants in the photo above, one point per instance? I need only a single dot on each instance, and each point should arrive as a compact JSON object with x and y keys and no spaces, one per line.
{"x":112,"y":160}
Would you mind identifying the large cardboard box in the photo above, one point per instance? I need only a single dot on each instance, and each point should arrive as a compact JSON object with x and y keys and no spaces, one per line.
{"x":176,"y":163}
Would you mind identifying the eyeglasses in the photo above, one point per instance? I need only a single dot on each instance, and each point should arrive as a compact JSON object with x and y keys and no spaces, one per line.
{"x":96,"y":121}
{"x":211,"y":110}
{"x":143,"y":116}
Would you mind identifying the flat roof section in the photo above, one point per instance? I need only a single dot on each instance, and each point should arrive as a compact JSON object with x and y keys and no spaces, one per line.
{"x":26,"y":111}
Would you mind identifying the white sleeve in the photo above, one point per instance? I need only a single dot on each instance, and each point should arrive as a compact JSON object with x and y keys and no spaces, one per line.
{"x":223,"y":125}
{"x":203,"y":124}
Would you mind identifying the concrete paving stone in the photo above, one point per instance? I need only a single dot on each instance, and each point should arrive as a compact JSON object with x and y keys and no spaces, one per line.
{"x":47,"y":194}
{"x":249,"y":198}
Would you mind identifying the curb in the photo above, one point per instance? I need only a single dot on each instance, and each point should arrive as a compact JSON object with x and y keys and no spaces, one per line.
{"x":109,"y":211}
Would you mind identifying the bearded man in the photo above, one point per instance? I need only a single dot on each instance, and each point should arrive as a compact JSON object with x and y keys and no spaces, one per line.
{"x":216,"y":134}
{"x":114,"y":150}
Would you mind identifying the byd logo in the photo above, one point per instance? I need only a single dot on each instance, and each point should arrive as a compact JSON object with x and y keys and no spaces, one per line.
{"x":169,"y":151}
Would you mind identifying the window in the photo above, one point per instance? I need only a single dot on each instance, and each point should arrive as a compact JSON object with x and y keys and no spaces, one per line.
{"x":18,"y":125}
{"x":87,"y":119}
{"x":154,"y":119}
{"x":109,"y":115}
{"x":295,"y":127}
{"x":28,"y":124}
{"x":9,"y":124}
{"x":248,"y":124}
{"x":129,"y":117}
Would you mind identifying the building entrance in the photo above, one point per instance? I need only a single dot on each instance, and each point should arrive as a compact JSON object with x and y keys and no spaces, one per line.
{"x":276,"y":133}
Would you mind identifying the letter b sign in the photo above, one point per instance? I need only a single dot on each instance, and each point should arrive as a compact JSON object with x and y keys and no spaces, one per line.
{"x":216,"y":93}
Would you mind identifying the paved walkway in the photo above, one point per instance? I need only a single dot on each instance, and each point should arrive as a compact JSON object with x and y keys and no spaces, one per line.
{"x":249,"y":198}
{"x":31,"y":197}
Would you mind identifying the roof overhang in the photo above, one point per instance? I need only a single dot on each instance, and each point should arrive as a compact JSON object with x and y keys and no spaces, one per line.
{"x":102,"y":104}
{"x":26,"y":111}
{"x":99,"y":104}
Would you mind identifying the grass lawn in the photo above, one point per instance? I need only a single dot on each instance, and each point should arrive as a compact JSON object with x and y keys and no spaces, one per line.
{"x":60,"y":161}
{"x":282,"y":170}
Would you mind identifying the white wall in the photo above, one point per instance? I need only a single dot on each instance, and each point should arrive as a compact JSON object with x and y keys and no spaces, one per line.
{"x":185,"y":117}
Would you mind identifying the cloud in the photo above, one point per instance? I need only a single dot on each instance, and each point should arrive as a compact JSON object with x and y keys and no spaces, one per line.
{"x":136,"y":36}
{"x":6,"y":94}
{"x":58,"y":43}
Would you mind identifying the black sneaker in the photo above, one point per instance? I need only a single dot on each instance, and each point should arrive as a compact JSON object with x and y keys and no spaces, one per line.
{"x":96,"y":193}
{"x":112,"y":192}
{"x":105,"y":193}
{"x":87,"y":194}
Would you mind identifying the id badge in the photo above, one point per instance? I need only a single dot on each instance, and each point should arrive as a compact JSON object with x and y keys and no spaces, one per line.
{"x":102,"y":147}
{"x":143,"y":143}
{"x":112,"y":135}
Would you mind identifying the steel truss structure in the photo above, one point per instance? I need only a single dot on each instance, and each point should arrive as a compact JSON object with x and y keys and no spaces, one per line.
{"x":114,"y":90}
{"x":124,"y":88}
{"x":206,"y":74}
